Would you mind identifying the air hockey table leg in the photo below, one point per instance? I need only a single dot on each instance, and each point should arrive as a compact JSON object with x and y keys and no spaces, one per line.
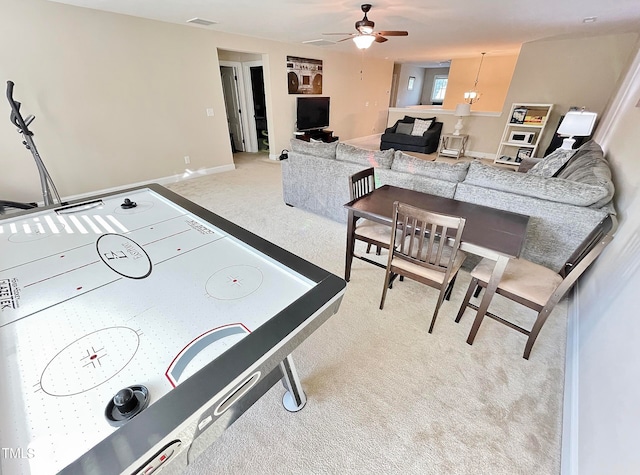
{"x":295,"y":398}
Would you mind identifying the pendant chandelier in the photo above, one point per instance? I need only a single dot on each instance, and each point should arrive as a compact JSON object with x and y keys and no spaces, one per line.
{"x":472,"y":96}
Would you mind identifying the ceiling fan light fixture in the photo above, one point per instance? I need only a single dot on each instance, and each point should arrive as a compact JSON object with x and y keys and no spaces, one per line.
{"x":363,"y":41}
{"x":366,"y":30}
{"x":365,"y":26}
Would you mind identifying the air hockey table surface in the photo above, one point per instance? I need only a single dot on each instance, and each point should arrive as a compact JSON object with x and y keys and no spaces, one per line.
{"x":164,"y":296}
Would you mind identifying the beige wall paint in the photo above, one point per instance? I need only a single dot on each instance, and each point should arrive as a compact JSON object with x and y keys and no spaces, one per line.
{"x":226,"y":55}
{"x":564,"y":72}
{"x":405,"y":96}
{"x":121,"y":100}
{"x":117,"y":99}
{"x":493,"y":82}
{"x":583,"y":72}
{"x":429,"y":77}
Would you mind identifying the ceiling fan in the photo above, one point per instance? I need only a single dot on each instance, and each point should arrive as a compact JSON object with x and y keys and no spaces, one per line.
{"x":365,"y":35}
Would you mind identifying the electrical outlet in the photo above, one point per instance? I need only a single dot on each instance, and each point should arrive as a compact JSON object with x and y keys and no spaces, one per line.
{"x":209,"y":112}
{"x":187,"y":159}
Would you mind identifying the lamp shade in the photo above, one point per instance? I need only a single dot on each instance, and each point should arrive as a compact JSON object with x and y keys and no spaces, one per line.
{"x":463,"y":110}
{"x":363,"y":41}
{"x":577,"y":123}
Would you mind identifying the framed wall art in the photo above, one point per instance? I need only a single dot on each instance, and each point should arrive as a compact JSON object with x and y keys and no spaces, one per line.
{"x":304,"y":75}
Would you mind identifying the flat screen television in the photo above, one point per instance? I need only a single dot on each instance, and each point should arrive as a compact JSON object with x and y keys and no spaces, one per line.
{"x":312,"y":113}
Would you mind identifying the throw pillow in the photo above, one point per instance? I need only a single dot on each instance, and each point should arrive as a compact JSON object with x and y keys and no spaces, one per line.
{"x":421,"y":126}
{"x":412,"y":119}
{"x":404,"y":128}
{"x":552,"y":163}
{"x":587,"y":154}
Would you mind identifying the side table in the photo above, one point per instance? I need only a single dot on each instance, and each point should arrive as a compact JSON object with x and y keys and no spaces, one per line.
{"x":452,"y":146}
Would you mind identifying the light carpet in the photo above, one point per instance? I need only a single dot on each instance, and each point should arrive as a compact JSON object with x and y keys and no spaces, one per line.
{"x":384,"y":396}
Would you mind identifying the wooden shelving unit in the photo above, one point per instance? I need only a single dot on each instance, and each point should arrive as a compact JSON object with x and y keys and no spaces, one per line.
{"x":522,"y":132}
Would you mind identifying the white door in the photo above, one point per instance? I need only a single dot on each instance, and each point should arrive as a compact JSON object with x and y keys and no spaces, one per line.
{"x":232,"y":104}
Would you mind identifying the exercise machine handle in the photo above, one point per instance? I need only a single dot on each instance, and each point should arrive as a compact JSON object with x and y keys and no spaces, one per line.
{"x":16,"y":117}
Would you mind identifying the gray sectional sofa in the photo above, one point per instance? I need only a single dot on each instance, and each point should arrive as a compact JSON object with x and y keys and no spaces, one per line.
{"x":565,"y":194}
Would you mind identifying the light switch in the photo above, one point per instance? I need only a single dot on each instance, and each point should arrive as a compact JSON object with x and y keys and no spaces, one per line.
{"x":209,"y":112}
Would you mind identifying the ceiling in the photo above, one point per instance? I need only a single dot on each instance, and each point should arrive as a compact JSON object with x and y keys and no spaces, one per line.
{"x":438,"y":30}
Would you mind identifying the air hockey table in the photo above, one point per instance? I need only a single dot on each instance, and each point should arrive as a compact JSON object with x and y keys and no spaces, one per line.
{"x":136,"y":326}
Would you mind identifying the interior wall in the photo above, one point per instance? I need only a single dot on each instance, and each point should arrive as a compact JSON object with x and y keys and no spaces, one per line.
{"x":117,"y":99}
{"x":120,"y":100}
{"x":226,"y":55}
{"x":427,"y":86}
{"x":405,"y":96}
{"x":565,"y":72}
{"x":604,"y":353}
{"x":494,"y":81}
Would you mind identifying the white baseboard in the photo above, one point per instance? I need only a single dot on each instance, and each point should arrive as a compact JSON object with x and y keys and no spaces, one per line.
{"x":187,"y":175}
{"x":569,"y":452}
{"x":471,"y":153}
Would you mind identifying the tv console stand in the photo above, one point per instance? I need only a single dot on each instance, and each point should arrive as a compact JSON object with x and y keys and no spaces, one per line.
{"x":323,"y":135}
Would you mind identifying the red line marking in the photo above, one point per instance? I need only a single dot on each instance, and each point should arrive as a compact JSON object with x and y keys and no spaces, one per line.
{"x":166,"y":373}
{"x":62,"y":273}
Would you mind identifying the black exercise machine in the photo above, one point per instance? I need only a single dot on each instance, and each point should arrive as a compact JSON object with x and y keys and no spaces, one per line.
{"x":49,"y":191}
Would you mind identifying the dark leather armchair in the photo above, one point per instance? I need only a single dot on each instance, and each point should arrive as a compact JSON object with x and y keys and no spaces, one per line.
{"x":425,"y":143}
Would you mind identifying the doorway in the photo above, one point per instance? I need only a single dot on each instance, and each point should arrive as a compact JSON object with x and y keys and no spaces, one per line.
{"x":243,"y":86}
{"x":229,"y":75}
{"x":259,"y":106}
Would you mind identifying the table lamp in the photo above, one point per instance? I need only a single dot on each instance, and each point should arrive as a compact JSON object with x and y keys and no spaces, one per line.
{"x":576,"y":124}
{"x":462,"y":110}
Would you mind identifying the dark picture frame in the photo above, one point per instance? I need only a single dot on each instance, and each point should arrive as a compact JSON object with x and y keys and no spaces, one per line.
{"x":304,"y":75}
{"x":523,"y":152}
{"x":518,"y":115}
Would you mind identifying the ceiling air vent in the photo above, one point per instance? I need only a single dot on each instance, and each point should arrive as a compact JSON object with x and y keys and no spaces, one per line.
{"x":201,"y":21}
{"x":319,"y":42}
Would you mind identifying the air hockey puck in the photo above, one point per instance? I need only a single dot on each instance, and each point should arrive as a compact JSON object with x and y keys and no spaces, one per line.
{"x":126,"y":404}
{"x":128,"y":204}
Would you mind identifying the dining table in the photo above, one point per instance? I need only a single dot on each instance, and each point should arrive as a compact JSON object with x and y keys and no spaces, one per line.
{"x":496,"y":234}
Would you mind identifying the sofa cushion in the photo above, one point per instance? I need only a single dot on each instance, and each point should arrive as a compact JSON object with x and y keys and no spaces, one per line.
{"x":369,"y":158}
{"x":589,"y":167}
{"x":412,"y":119}
{"x":552,"y":189}
{"x":421,"y":126}
{"x":404,"y":128}
{"x":317,"y":149}
{"x":551,"y":164}
{"x":585,"y":156}
{"x":454,"y":173}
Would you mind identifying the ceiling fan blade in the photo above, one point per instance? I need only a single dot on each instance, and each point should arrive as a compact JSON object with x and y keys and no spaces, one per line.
{"x":341,"y":34}
{"x":380,"y":39}
{"x":345,"y":39}
{"x":393,"y":33}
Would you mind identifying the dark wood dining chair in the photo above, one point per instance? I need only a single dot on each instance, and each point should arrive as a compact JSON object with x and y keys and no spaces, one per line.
{"x":374,"y":234}
{"x":427,"y":250}
{"x":535,"y":286}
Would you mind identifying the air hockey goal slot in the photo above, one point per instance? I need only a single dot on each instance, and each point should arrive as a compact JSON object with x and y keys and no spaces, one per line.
{"x":77,"y":208}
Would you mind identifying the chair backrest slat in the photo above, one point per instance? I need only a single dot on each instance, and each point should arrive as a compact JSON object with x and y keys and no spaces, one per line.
{"x":361,"y":183}
{"x":594,"y":237}
{"x":425,"y":240}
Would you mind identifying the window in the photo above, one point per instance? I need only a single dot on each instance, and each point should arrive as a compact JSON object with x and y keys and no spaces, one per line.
{"x":439,"y":89}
